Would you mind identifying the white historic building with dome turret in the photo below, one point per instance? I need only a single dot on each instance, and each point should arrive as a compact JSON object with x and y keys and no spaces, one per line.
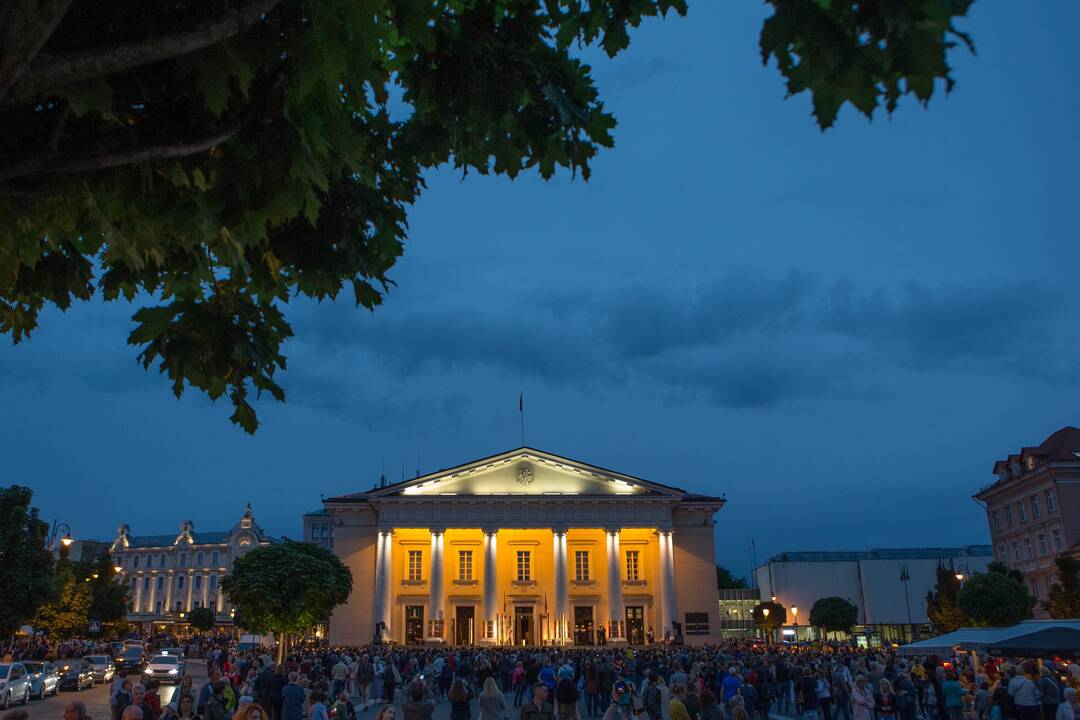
{"x":170,"y":575}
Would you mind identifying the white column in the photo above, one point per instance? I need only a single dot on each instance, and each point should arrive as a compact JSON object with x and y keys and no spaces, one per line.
{"x":436,"y":595}
{"x":562,"y":586}
{"x":669,"y":608}
{"x":491,"y":587}
{"x":153,"y":592}
{"x":383,"y":572}
{"x":169,"y":580}
{"x":138,"y":594}
{"x":616,"y":613}
{"x":190,"y":589}
{"x":205,"y":591}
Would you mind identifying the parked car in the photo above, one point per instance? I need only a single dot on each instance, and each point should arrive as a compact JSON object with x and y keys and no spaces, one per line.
{"x":130,"y":661}
{"x":116,"y":647}
{"x":165,"y":668}
{"x":103,"y":667}
{"x":44,"y":679}
{"x":177,"y":651}
{"x":76,"y":674}
{"x":14,"y":684}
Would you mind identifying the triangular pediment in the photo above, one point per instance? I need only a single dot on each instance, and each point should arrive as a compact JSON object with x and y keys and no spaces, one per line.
{"x":525,"y":471}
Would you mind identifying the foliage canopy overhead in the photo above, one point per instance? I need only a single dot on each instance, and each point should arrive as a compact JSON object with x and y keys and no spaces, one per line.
{"x":214,"y":159}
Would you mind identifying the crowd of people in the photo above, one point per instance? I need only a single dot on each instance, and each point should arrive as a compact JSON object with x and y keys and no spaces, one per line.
{"x":737,"y":680}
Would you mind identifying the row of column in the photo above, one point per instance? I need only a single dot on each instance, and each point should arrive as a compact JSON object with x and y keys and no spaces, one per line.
{"x":204,"y":592}
{"x":563,"y":624}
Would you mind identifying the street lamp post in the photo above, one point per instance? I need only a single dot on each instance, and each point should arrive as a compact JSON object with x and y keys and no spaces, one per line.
{"x":65,"y":541}
{"x":795,"y":621}
{"x":765,"y":614}
{"x":905,"y":576}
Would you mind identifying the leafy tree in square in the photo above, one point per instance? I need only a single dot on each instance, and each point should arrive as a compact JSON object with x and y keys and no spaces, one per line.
{"x":726,"y":580}
{"x":1064,"y":599}
{"x":26,"y":570}
{"x":995,"y":598}
{"x":835,"y":614}
{"x":943,"y":602}
{"x":201,"y":619}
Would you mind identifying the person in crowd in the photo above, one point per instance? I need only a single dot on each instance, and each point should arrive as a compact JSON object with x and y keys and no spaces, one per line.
{"x":1049,"y":692}
{"x":421,"y":704}
{"x":710,"y":710}
{"x":460,"y":697}
{"x":651,"y":698}
{"x":862,"y":699}
{"x":1070,"y":708}
{"x":885,"y":700}
{"x":538,"y":707}
{"x":215,"y":706}
{"x":75,"y":710}
{"x":676,"y":708}
{"x":566,"y":698}
{"x":492,"y":702}
{"x":317,"y":706}
{"x":1025,"y":694}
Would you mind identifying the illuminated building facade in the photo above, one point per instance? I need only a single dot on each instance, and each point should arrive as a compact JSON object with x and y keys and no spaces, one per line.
{"x":525,"y":548}
{"x":170,"y":575}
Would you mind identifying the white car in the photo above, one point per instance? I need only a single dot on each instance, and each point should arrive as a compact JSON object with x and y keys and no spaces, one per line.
{"x":102,"y":666}
{"x":165,"y":668}
{"x":14,"y":684}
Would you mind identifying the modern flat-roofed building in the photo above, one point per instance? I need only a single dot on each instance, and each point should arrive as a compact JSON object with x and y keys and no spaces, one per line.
{"x":1033,"y":509}
{"x":890,"y":609}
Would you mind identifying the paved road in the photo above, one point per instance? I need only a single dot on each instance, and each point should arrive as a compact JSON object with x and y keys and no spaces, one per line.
{"x":97,"y":698}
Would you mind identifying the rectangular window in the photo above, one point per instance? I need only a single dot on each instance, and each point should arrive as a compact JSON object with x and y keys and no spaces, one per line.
{"x":633,"y":565}
{"x":160,"y":582}
{"x":697,"y":623}
{"x":1027,"y":548}
{"x":214,"y":558}
{"x":997,"y":520}
{"x":314,"y":532}
{"x":198,"y":582}
{"x":1042,"y":545}
{"x":199,"y":559}
{"x":1056,"y":534}
{"x":213,"y":582}
{"x":1002,"y":555}
{"x":180,"y":583}
{"x":134,"y":561}
{"x":1016,"y":552}
{"x":183,"y":559}
{"x":1035,"y":589}
{"x":416,"y":564}
{"x":524,"y":565}
{"x":146,"y":583}
{"x":1051,"y":501}
{"x":464,"y":565}
{"x":581,"y":565}
{"x":1008,"y":515}
{"x":1035,"y":512}
{"x":1023,"y":513}
{"x":161,"y":560}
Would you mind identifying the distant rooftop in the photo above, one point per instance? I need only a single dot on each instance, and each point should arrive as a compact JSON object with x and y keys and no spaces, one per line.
{"x":931,"y":553}
{"x":198,"y":538}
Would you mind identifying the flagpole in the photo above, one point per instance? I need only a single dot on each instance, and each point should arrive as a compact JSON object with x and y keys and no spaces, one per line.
{"x":521,"y":410}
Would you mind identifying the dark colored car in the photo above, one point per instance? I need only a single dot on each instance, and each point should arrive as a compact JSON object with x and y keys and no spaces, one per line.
{"x":75,"y":674}
{"x":131,"y":660}
{"x":44,"y":679}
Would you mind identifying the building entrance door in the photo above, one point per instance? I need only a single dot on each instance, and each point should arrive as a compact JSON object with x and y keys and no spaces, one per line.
{"x":414,"y":624}
{"x":583,"y":626}
{"x":464,"y":620}
{"x":524,"y":632}
{"x":635,"y":624}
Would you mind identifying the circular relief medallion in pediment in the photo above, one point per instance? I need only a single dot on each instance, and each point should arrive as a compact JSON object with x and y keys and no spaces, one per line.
{"x":525,"y":474}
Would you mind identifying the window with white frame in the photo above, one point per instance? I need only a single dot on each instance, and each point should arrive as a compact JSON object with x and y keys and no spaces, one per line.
{"x":198,"y":582}
{"x":1051,"y":501}
{"x":997,"y":520}
{"x":524,"y":565}
{"x":1035,"y":588}
{"x":1027,"y":548}
{"x":1002,"y":555}
{"x":416,"y":565}
{"x":464,"y":565}
{"x":1035,"y":512}
{"x":1042,"y":544}
{"x":581,"y":565}
{"x":1016,"y":552}
{"x":633,"y":565}
{"x":213,"y":583}
{"x":134,"y":561}
{"x":1020,"y":509}
{"x":1008,"y":515}
{"x":1056,"y":535}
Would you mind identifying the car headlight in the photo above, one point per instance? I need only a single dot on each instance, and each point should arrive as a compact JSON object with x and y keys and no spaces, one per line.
{"x":173,"y":671}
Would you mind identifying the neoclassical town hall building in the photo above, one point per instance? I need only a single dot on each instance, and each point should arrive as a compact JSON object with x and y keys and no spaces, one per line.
{"x":524,"y":547}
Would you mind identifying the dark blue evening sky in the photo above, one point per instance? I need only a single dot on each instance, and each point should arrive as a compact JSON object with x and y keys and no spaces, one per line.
{"x":840,"y":331}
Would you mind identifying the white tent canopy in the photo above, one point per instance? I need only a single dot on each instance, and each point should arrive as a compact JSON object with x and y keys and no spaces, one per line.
{"x":980,"y":639}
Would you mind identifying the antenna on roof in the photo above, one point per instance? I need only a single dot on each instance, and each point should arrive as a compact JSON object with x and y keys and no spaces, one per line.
{"x":417,"y":463}
{"x":402,"y":468}
{"x":382,"y":473}
{"x":521,"y":409}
